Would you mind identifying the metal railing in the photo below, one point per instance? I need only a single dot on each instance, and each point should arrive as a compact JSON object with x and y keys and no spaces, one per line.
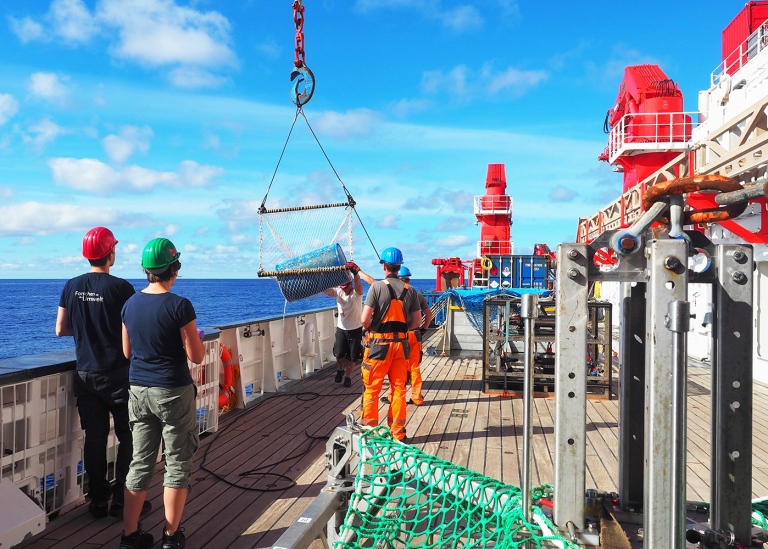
{"x":645,"y":132}
{"x":493,"y":204}
{"x":755,"y":43}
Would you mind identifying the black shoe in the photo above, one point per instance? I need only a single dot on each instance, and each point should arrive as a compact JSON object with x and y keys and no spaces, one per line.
{"x":339,"y":376}
{"x":116,"y":510}
{"x":98,"y":509}
{"x":137,"y":540}
{"x":385,"y":398}
{"x":176,"y":541}
{"x":347,"y":382}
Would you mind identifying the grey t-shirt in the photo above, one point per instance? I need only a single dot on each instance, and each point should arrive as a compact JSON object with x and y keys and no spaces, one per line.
{"x":378,"y":299}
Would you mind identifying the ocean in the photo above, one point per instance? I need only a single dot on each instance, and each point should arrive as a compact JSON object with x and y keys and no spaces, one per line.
{"x":29,"y":307}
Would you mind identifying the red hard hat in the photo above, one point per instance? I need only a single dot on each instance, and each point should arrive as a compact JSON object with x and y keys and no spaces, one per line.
{"x":98,"y":242}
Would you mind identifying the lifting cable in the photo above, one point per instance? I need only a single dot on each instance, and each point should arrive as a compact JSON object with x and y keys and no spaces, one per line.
{"x":302,"y":75}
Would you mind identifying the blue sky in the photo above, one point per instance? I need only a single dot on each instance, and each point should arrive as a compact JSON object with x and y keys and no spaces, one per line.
{"x":167,"y":118}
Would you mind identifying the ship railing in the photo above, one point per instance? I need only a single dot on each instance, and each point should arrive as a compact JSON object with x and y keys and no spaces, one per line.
{"x":41,"y":440}
{"x":494,"y":247}
{"x":739,"y":57}
{"x":648,"y":132}
{"x":490,"y":204}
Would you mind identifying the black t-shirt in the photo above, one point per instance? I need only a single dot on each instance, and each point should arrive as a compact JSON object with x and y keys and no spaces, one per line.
{"x":93,"y":302}
{"x":154,"y":323}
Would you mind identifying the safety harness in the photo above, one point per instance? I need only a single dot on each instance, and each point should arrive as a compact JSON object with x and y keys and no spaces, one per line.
{"x":394,"y":322}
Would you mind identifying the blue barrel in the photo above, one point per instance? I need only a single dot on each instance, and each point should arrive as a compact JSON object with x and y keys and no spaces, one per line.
{"x":295,"y":287}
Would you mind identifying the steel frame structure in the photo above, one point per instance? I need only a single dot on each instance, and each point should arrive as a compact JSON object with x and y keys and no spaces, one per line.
{"x":652,"y":413}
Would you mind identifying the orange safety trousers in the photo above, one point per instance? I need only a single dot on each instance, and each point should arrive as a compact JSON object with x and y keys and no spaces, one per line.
{"x":394,"y":366}
{"x":414,"y":367}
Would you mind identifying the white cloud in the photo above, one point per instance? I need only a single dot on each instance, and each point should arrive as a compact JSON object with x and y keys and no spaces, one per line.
{"x":8,"y":107}
{"x":514,"y":80}
{"x":6,"y":191}
{"x":406,"y":107}
{"x":562,"y":194}
{"x":452,"y":241}
{"x":192,"y":44}
{"x":121,"y":147}
{"x":48,"y":85}
{"x":40,"y":134}
{"x":88,"y":174}
{"x":194,"y":78}
{"x":158,"y":32}
{"x":269,"y":49}
{"x":72,"y":21}
{"x":353,"y":123}
{"x":27,"y":29}
{"x":464,"y":83}
{"x":171,"y":230}
{"x":26,"y":241}
{"x":34,"y":218}
{"x":389,"y":221}
{"x":461,"y":18}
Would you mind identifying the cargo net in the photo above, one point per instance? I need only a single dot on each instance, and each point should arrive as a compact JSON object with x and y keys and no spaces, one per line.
{"x":406,"y":498}
{"x":302,"y":248}
{"x":473,"y":302}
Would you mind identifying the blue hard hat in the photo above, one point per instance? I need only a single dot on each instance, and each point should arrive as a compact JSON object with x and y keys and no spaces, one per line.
{"x":404,"y":272}
{"x":392,"y":255}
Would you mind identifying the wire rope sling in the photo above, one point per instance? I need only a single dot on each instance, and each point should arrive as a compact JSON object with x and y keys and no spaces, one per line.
{"x":300,"y":245}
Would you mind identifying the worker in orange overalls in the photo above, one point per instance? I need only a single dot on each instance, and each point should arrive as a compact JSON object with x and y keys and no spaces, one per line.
{"x":390,"y":310}
{"x":414,"y":339}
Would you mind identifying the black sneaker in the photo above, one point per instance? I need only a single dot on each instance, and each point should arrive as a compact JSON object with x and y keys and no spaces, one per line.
{"x":98,"y":509}
{"x":384,"y":398}
{"x":339,"y":376}
{"x":137,"y":540}
{"x":347,"y":382}
{"x":116,"y":510}
{"x":176,"y":541}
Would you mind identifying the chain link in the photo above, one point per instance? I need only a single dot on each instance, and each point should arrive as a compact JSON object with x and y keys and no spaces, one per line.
{"x":298,"y":19}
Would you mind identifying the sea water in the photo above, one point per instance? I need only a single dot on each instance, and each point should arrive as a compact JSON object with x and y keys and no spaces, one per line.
{"x":28,"y":307}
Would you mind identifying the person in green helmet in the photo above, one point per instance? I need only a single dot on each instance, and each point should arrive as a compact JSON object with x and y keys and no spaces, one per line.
{"x":159,"y":336}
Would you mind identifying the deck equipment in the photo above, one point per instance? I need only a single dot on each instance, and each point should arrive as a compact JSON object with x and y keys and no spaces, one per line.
{"x":295,"y":234}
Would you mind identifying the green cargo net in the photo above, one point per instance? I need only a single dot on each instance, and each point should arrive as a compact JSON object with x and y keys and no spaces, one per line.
{"x":406,"y":498}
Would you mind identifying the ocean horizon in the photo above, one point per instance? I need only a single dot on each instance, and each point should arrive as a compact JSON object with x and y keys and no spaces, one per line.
{"x":28,"y":314}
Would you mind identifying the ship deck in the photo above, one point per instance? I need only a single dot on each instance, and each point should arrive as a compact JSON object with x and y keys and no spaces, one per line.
{"x":254,"y":476}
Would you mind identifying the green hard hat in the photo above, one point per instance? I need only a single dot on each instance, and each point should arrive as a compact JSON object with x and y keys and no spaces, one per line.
{"x":158,"y":254}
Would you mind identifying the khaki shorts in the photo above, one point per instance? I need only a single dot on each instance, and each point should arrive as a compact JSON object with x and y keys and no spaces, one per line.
{"x":159,"y":413}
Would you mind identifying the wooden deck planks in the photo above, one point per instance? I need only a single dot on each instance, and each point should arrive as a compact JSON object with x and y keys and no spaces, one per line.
{"x":458,"y":423}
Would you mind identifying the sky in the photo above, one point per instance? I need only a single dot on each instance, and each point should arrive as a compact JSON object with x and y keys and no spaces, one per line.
{"x":171,"y":118}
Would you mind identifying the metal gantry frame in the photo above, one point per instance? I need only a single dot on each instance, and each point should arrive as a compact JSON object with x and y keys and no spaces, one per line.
{"x":654,"y":321}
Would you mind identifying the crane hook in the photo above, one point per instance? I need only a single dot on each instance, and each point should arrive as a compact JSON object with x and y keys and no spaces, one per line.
{"x":301,"y":75}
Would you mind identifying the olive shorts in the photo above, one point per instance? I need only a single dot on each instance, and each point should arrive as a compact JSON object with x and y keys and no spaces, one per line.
{"x":167,"y":414}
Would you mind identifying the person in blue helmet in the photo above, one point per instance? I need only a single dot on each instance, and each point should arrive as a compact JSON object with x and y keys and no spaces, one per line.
{"x":390,"y":310}
{"x":415,"y":340}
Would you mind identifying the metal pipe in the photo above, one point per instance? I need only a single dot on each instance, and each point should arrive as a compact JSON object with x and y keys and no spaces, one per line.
{"x":750,"y":192}
{"x":528,"y":312}
{"x":678,"y":321}
{"x":676,"y":204}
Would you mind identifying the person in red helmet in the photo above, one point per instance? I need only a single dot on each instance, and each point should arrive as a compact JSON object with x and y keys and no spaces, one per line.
{"x":390,"y":310}
{"x":89,"y":310}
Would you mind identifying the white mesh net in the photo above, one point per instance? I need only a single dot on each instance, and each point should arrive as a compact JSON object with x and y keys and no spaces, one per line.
{"x":306,"y":249}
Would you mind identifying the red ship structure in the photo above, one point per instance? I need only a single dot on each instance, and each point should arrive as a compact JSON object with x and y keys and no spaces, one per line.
{"x":496,"y":266}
